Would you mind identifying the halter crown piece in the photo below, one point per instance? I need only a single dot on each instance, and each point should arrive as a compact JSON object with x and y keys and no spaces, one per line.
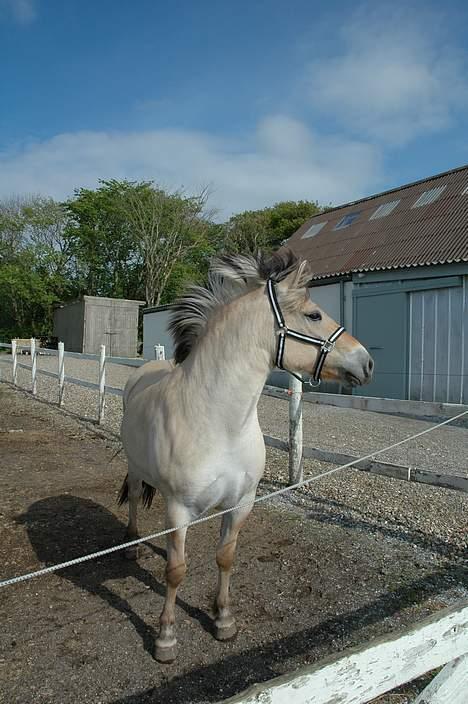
{"x":325,"y":346}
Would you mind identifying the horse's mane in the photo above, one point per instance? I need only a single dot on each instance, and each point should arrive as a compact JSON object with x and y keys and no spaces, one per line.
{"x":229,"y":277}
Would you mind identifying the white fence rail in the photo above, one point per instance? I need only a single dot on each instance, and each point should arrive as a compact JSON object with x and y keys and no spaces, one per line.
{"x":361,"y":674}
{"x":60,"y":375}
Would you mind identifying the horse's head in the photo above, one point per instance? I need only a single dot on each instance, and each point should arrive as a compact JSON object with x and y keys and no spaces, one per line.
{"x":325,"y":350}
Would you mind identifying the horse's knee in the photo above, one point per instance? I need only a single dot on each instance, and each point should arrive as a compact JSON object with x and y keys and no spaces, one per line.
{"x":175,"y":574}
{"x":225,"y":556}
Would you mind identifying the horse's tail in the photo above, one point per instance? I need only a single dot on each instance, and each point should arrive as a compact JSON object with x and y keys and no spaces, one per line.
{"x":147,"y":495}
{"x":123,"y":493}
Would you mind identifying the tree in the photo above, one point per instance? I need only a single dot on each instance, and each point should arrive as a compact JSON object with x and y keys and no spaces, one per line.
{"x":268,"y":228}
{"x":12,"y":227}
{"x":106,"y":260}
{"x":33,"y":259}
{"x":168,"y":227}
{"x":26,"y":299}
{"x":46,"y":227}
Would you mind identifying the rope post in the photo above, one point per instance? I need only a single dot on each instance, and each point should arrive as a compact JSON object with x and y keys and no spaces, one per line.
{"x":33,"y":366}
{"x":102,"y":383}
{"x":295,"y":430}
{"x":61,"y":371}
{"x":14,"y":360}
{"x":159,"y":352}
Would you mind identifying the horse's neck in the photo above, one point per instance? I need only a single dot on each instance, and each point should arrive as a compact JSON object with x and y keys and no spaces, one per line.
{"x":230,"y":364}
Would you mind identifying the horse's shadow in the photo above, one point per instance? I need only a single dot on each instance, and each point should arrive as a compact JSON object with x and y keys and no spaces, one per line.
{"x":63,"y":527}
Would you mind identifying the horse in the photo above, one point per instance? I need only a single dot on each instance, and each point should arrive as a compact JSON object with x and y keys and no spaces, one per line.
{"x":190,"y":428}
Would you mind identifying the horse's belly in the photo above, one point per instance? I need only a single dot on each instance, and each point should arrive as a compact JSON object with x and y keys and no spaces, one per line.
{"x":224,"y":491}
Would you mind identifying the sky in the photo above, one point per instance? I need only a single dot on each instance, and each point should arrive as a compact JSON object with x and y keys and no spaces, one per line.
{"x":260,"y":101}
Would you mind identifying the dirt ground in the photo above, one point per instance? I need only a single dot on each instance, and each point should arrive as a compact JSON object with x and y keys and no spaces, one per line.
{"x":306,"y":584}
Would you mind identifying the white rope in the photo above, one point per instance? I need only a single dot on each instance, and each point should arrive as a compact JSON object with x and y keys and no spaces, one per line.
{"x":278,"y":492}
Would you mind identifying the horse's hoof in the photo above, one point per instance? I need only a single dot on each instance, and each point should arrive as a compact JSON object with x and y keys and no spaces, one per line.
{"x":132,"y":552}
{"x":165,"y":654}
{"x":225,"y":632}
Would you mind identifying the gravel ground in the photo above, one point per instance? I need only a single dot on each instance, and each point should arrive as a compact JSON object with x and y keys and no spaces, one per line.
{"x":329,"y":428}
{"x":340,"y":562}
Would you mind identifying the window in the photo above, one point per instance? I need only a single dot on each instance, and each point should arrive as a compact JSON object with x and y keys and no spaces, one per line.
{"x":313,"y":230}
{"x":465,"y":192}
{"x":429,"y":196}
{"x":347,"y":220}
{"x":384,"y":209}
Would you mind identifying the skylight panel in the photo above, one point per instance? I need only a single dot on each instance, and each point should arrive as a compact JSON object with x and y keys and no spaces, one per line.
{"x":384,"y":209}
{"x":313,"y":230}
{"x":347,"y":220}
{"x":429,"y":196}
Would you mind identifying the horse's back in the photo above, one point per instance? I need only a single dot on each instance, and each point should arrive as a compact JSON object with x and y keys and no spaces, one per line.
{"x":147,"y":375}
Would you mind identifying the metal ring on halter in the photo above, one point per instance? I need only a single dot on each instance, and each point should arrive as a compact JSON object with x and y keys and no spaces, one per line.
{"x":313,"y":383}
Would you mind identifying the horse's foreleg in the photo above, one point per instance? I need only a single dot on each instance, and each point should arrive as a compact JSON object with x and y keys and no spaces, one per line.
{"x":175,"y":572}
{"x":134,"y":493}
{"x":225,"y":624}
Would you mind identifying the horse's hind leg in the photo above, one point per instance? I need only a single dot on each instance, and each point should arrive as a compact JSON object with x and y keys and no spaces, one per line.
{"x":134,"y":493}
{"x":165,"y":650}
{"x":225,"y":624}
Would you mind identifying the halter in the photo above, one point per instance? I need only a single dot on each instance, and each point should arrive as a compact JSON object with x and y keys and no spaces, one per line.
{"x":325,"y":346}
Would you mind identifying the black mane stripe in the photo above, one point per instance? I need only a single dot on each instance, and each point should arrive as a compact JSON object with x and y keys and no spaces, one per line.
{"x":229,"y":277}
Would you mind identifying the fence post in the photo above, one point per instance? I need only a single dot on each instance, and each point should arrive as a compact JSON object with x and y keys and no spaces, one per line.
{"x":33,"y":366}
{"x":295,"y":430}
{"x":102,"y":383}
{"x":61,"y":371}
{"x":159,"y":352}
{"x":15,"y":362}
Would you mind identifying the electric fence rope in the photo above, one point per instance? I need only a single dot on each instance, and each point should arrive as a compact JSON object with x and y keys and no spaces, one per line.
{"x":203,"y":519}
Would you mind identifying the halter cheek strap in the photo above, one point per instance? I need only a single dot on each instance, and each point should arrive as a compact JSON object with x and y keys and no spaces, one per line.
{"x":325,"y":346}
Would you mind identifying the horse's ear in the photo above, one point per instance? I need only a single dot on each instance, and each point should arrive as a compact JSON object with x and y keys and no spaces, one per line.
{"x":296,"y":279}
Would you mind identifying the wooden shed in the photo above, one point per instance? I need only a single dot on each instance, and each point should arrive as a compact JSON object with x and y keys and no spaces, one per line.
{"x":86,"y":324}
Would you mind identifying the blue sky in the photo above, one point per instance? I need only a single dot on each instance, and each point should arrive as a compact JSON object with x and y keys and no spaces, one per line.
{"x":261,"y":101}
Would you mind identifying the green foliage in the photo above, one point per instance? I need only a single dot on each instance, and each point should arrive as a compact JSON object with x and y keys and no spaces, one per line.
{"x":33,"y":265}
{"x":102,"y":243}
{"x":26,"y":300}
{"x":266,"y":229}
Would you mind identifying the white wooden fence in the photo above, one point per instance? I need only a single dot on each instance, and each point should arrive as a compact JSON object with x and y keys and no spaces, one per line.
{"x":294,"y":446}
{"x":360,"y":674}
{"x":60,"y":375}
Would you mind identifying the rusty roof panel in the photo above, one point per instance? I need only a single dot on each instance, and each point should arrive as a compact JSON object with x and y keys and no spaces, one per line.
{"x":435,"y":233}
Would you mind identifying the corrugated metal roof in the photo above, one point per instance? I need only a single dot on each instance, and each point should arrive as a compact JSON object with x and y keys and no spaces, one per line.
{"x":436,"y":233}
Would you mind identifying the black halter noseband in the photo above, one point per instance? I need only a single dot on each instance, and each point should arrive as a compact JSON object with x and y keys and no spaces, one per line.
{"x":326,"y":346}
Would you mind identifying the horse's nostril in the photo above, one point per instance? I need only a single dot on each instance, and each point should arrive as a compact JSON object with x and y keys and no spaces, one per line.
{"x":371,"y":365}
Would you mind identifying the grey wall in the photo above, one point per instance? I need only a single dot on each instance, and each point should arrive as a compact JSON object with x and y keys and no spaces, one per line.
{"x":68,"y":325}
{"x":155,"y":332}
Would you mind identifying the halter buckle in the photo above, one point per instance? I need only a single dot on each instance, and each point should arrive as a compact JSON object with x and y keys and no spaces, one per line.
{"x":328,"y":346}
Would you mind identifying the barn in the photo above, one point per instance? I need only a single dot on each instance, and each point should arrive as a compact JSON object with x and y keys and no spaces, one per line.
{"x":92,"y":321}
{"x":393,"y":268}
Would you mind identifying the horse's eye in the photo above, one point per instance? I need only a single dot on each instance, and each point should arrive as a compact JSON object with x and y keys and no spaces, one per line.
{"x":316,"y":315}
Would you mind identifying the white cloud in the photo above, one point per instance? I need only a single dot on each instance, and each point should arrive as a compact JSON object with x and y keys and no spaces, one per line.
{"x":283,"y":160}
{"x":396,"y":77}
{"x":23,"y":11}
